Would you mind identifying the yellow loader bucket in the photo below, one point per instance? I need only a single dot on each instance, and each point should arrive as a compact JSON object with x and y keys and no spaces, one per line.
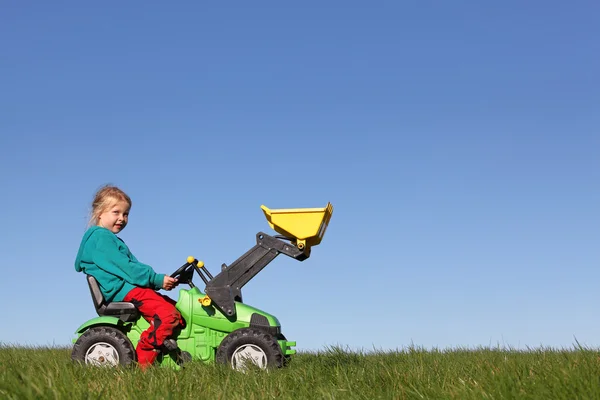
{"x":306,"y":225}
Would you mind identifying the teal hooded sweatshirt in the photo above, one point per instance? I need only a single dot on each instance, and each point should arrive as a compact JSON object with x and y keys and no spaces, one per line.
{"x":107,"y":258}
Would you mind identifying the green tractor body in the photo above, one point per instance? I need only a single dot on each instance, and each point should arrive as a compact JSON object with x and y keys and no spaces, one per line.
{"x":205,"y":327}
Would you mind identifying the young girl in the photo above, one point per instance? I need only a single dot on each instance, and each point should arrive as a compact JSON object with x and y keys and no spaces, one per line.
{"x":122,"y":277}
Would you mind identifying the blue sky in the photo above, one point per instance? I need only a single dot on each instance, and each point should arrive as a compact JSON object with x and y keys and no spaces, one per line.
{"x":457,"y":141}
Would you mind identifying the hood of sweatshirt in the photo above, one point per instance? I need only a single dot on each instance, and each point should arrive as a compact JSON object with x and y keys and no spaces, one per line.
{"x":84,"y":240}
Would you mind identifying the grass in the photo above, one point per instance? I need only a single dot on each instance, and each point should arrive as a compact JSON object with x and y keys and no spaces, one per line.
{"x":412,"y":373}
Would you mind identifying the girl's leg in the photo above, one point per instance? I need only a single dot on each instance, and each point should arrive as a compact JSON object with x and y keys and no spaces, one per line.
{"x":163,"y":317}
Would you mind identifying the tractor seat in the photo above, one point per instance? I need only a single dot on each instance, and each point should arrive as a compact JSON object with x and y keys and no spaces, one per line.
{"x":123,"y":310}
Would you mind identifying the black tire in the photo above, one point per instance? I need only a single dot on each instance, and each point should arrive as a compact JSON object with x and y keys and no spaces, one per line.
{"x":103,"y":346}
{"x":260,"y":346}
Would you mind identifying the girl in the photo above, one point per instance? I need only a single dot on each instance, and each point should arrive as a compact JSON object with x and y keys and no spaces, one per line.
{"x":122,"y":277}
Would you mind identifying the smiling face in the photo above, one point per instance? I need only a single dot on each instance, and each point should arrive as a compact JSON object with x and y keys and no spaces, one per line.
{"x":115,"y":218}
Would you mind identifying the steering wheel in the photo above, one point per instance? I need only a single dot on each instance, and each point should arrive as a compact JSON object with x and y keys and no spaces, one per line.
{"x":184,"y":268}
{"x":181,"y":270}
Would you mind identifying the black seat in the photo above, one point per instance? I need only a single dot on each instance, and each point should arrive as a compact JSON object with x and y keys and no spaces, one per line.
{"x":125,"y":311}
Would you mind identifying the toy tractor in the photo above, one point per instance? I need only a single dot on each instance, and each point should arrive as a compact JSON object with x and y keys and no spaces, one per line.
{"x":219,"y":326}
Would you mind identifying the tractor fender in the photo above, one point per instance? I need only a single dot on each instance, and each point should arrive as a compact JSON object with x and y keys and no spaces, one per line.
{"x":104,"y":320}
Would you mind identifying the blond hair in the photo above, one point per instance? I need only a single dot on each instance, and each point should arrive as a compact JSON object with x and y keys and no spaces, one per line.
{"x":105,"y":198}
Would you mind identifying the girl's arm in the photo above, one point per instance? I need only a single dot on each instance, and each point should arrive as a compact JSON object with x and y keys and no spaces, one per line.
{"x":108,"y":257}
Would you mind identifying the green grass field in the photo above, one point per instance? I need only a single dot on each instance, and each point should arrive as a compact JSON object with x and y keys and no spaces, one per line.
{"x":48,"y":373}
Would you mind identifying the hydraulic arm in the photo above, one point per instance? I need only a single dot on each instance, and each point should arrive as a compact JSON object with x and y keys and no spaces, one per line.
{"x":225,"y":288}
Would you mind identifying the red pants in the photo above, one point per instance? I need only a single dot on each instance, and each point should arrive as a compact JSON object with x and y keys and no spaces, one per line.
{"x":163,"y":317}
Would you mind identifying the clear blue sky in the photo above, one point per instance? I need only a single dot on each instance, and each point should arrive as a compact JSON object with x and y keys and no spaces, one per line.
{"x":458,"y":141}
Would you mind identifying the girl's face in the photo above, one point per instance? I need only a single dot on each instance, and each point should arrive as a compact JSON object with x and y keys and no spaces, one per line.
{"x":115,"y":218}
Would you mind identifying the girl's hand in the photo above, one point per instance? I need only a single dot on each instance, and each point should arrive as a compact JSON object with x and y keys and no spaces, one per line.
{"x":169,"y":283}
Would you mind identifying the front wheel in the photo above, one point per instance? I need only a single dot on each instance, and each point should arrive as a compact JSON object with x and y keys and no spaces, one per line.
{"x":103,"y":346}
{"x":250,"y":346}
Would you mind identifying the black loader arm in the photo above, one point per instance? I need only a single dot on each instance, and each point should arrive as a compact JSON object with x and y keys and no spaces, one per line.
{"x":225,"y":288}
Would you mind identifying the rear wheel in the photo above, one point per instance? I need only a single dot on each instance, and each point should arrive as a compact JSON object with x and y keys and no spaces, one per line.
{"x":250,"y":346}
{"x":103,"y":346}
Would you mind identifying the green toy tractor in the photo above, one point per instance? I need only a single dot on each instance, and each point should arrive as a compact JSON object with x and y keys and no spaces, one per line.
{"x":219,"y":326}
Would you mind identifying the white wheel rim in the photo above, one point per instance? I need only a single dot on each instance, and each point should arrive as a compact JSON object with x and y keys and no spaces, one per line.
{"x":102,"y":354}
{"x":248,"y":353}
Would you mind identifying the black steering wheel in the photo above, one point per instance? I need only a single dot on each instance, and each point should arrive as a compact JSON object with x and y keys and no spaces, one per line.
{"x":181,"y":270}
{"x":185,"y":273}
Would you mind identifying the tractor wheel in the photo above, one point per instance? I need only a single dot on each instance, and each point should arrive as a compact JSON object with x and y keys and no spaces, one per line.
{"x":250,"y":345}
{"x":103,"y":346}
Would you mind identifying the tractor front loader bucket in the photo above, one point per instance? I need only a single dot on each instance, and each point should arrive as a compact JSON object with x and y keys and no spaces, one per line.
{"x":304,"y":226}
